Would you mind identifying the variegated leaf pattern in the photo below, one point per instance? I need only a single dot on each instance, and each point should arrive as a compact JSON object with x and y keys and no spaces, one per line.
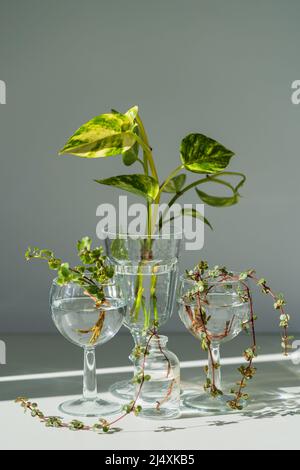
{"x":201,"y":154}
{"x":131,"y":155}
{"x":175,"y":184}
{"x":102,"y":136}
{"x":141,"y":185}
{"x":132,"y":113}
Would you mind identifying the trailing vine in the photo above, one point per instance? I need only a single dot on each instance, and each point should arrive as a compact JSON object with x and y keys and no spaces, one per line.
{"x":92,"y":274}
{"x":201,"y":275}
{"x":102,"y":424}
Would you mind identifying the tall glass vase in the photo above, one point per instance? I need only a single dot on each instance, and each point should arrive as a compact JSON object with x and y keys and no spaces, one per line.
{"x":148,"y":268}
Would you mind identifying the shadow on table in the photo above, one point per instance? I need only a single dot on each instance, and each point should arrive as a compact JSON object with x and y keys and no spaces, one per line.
{"x":269,"y":406}
{"x":68,"y":386}
{"x":274,"y":392}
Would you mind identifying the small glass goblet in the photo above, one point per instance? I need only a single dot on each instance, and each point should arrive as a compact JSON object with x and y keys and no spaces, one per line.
{"x":81,"y":322}
{"x":227,"y":313}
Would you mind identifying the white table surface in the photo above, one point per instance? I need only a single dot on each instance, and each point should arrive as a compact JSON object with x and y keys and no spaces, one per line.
{"x":272,"y":422}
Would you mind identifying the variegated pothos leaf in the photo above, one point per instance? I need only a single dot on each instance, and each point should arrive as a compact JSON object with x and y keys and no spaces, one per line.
{"x":175,"y":184}
{"x":201,"y":154}
{"x":103,"y":136}
{"x":141,"y":185}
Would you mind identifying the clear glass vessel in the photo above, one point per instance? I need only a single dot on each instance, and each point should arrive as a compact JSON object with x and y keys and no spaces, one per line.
{"x":148,"y":266}
{"x":82,"y":323}
{"x":227,"y":313}
{"x":159,"y":395}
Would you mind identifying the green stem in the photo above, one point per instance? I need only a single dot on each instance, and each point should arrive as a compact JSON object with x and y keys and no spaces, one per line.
{"x":144,"y":142}
{"x":171,"y":175}
{"x":207,"y":179}
{"x":143,"y":165}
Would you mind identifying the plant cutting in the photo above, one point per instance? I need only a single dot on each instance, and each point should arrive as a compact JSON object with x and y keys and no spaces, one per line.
{"x":104,"y":425}
{"x":215,"y":306}
{"x":88,"y":308}
{"x":92,"y":274}
{"x":113,"y":134}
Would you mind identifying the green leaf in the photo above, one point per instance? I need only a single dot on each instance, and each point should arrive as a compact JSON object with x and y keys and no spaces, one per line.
{"x":46,"y":253}
{"x":84,"y":244}
{"x":64,"y":270}
{"x":54,"y":263}
{"x":102,"y":136}
{"x":175,"y":184}
{"x":28,"y":253}
{"x":197,"y":215}
{"x":189,"y":212}
{"x":218,"y":201}
{"x":141,"y":185}
{"x":132,"y":113}
{"x":131,"y":155}
{"x":201,"y":154}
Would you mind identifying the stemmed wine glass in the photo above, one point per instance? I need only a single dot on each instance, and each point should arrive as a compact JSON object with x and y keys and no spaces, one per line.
{"x":227,"y":311}
{"x":84,"y":323}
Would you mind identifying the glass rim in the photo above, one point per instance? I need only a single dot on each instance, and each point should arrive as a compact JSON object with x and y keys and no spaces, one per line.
{"x":115,"y":235}
{"x":112,"y":282}
{"x":212,"y":281}
{"x":157,"y":338}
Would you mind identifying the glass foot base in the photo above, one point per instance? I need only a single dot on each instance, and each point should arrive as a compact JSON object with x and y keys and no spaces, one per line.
{"x":89,"y":409}
{"x":123,"y":389}
{"x":162,"y":414}
{"x":209,"y":405}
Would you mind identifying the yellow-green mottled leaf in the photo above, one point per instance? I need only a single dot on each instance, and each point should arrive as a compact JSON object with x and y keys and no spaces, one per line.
{"x":201,"y":154}
{"x":131,"y":155}
{"x":175,"y":184}
{"x":132,"y":113}
{"x":141,"y":185}
{"x":102,"y":136}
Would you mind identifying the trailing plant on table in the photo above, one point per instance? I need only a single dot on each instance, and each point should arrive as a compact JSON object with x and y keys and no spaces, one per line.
{"x":92,"y":275}
{"x":203,"y":278}
{"x":102,"y":425}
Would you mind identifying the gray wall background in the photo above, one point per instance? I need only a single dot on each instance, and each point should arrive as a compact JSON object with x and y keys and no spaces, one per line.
{"x":221,"y":68}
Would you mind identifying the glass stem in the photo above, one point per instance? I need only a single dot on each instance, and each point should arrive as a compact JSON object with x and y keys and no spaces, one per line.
{"x":89,"y":375}
{"x":214,"y":358}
